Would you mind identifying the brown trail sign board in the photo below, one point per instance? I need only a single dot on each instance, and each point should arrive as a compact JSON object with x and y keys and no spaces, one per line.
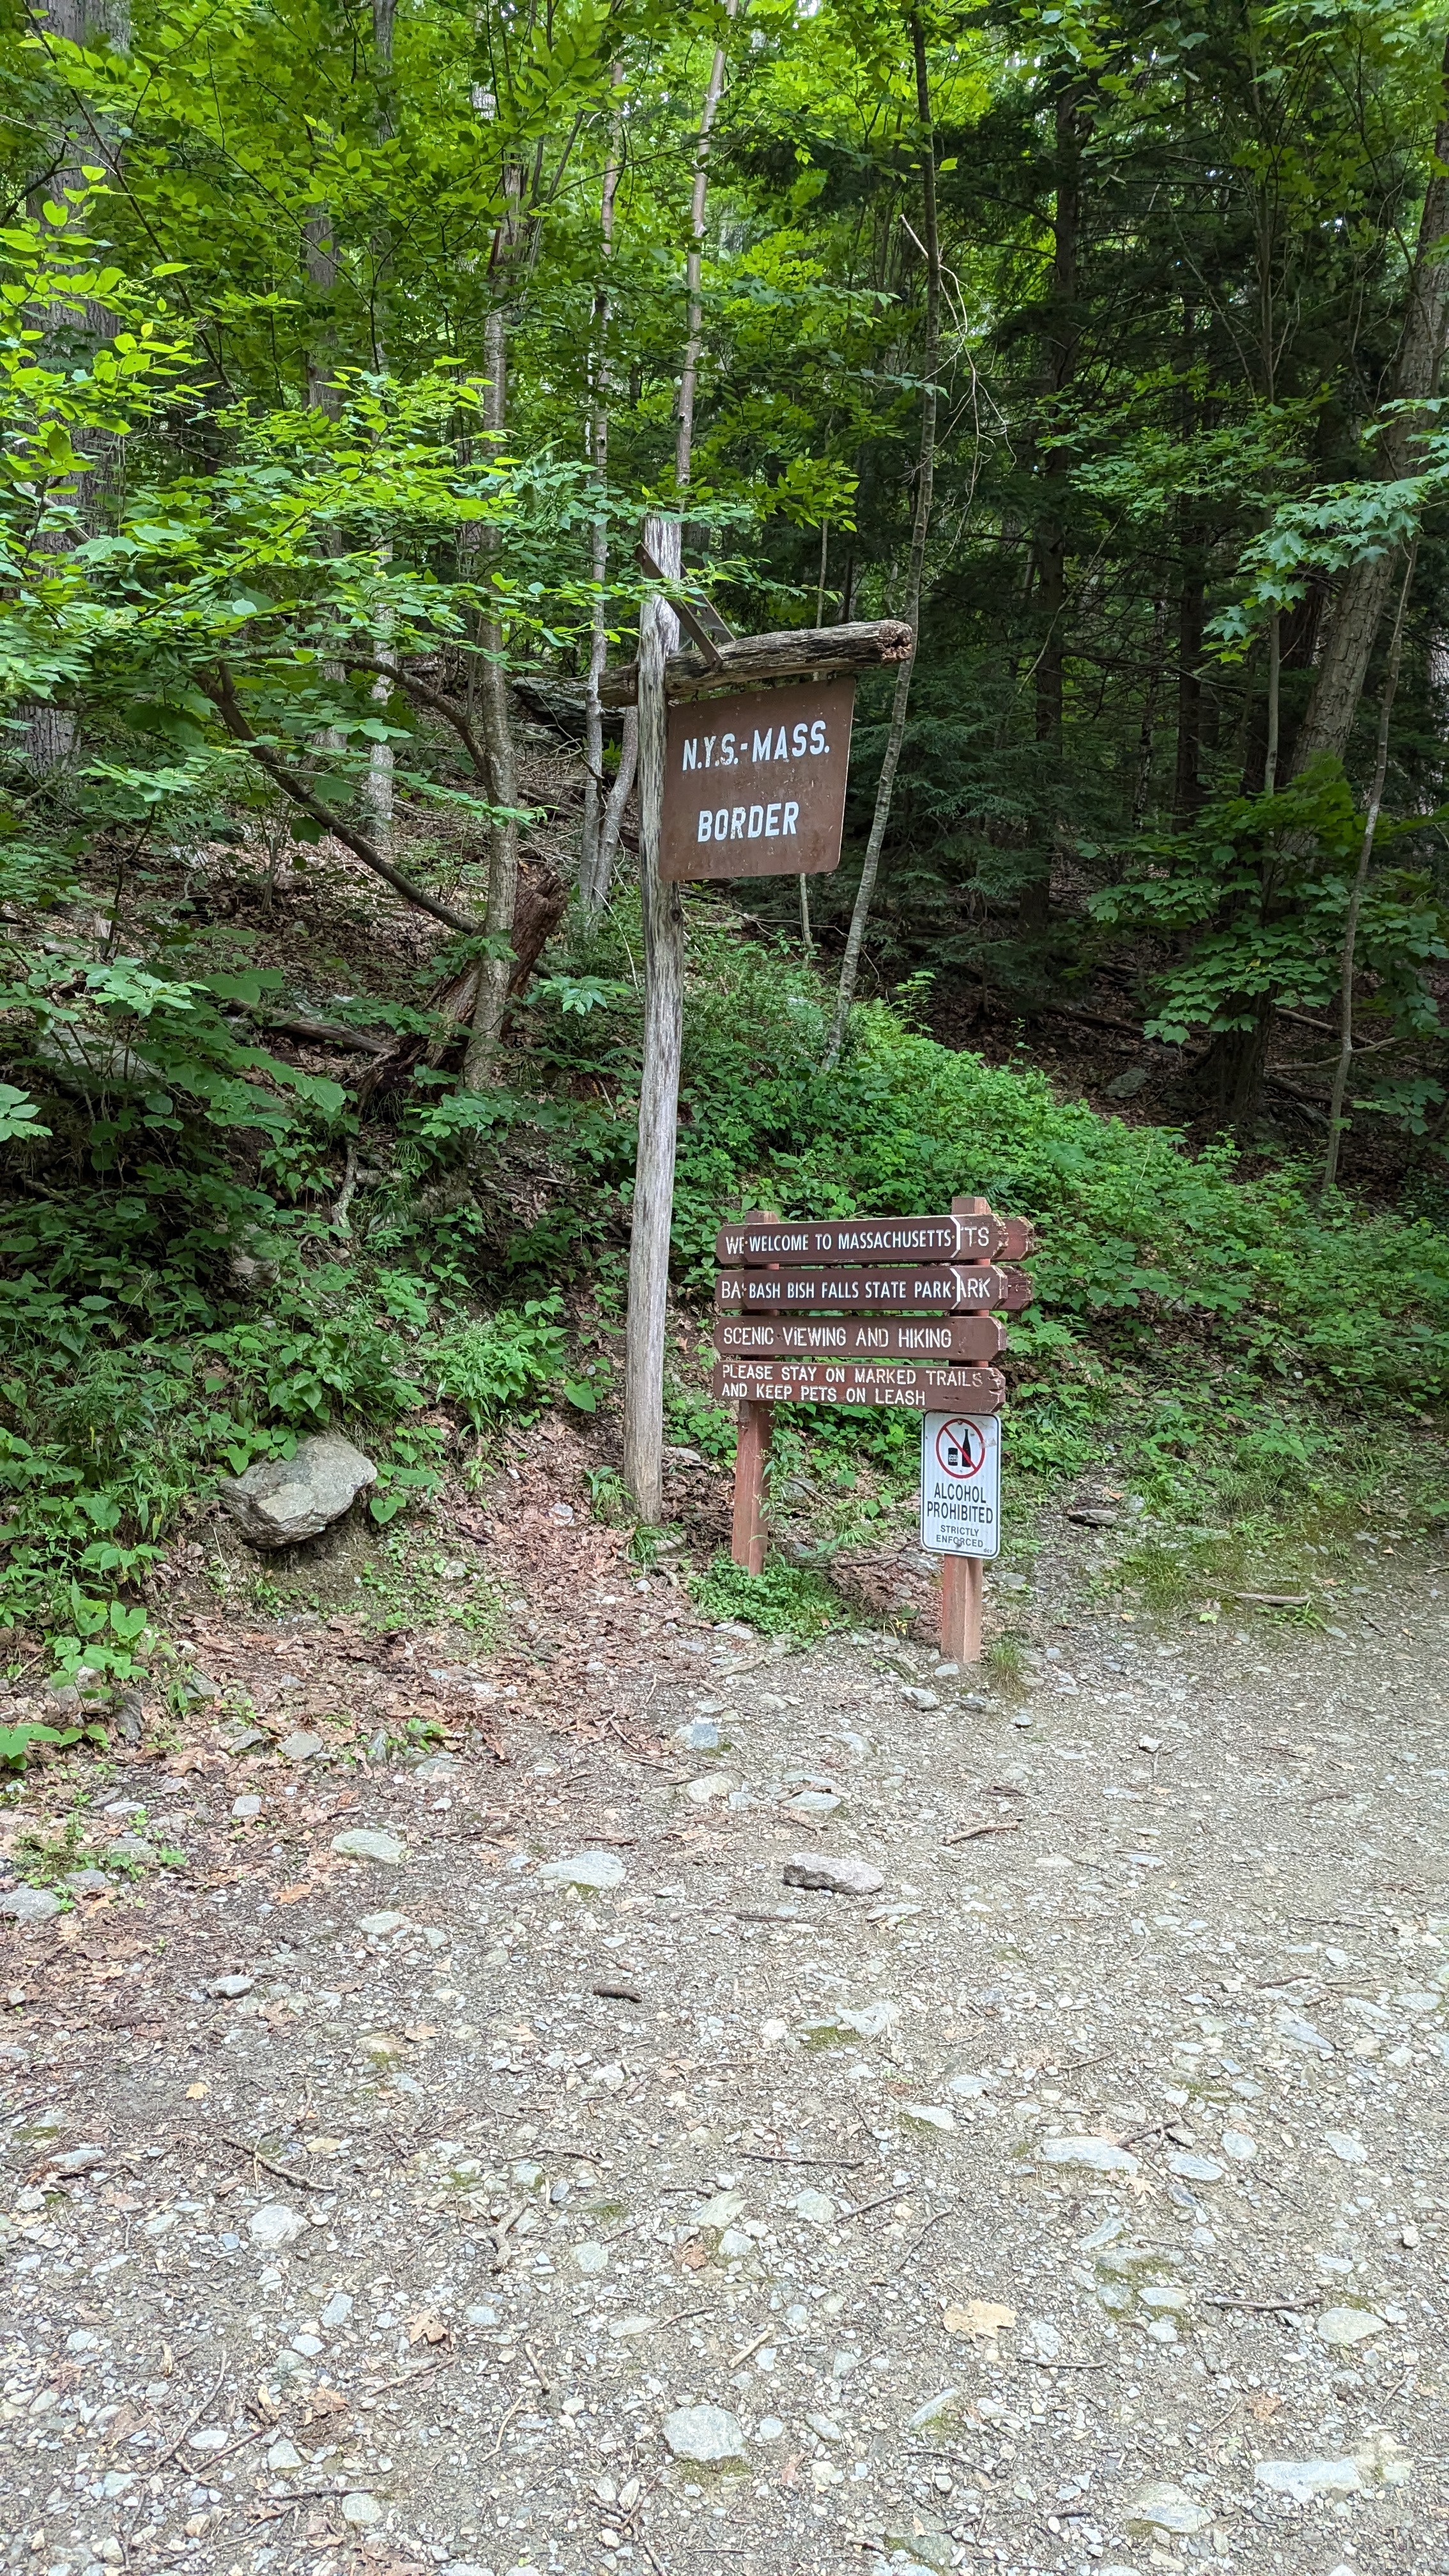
{"x":975,"y":1339}
{"x":959,"y":1288}
{"x":858,"y":1382}
{"x":754,"y":785}
{"x":861,"y":1346}
{"x":963,"y":1235}
{"x":939,"y":1340}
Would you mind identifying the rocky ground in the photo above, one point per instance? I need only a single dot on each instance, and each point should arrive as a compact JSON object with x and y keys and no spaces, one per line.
{"x":494,"y":2159}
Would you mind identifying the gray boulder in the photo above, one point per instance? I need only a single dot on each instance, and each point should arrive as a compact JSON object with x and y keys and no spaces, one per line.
{"x":282,"y":1500}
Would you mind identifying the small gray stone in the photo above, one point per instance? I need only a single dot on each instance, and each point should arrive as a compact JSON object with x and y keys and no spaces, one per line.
{"x":249,"y":1738}
{"x":30,"y":1904}
{"x":1164,"y":2507}
{"x":365,"y":1842}
{"x":918,"y":1697}
{"x":816,"y":2207}
{"x":228,"y":1988}
{"x":133,"y":1847}
{"x":300,"y":1747}
{"x":709,"y":2435}
{"x":1195,"y":2168}
{"x":283,"y":1500}
{"x":700,"y":1735}
{"x":1096,"y":2155}
{"x":811,"y":1802}
{"x":1345,"y":2326}
{"x":837,"y":1872}
{"x":360,"y":2510}
{"x":597,"y":1870}
{"x":86,"y":1882}
{"x":77,"y":2160}
{"x":1305,"y":2480}
{"x":284,"y":2455}
{"x":246,"y":1809}
{"x":275,"y":2225}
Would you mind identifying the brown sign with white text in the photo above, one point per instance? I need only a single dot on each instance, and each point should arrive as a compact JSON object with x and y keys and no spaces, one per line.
{"x":754,"y":783}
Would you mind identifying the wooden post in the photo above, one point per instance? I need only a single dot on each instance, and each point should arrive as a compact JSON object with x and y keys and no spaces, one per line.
{"x":960,"y":1608}
{"x":752,"y":1454}
{"x":659,"y":1085}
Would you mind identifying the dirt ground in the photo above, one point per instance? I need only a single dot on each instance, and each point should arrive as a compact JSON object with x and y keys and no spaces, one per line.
{"x":563,"y":2190}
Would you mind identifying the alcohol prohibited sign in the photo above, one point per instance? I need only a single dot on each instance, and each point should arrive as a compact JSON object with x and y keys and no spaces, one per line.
{"x":961,"y":1484}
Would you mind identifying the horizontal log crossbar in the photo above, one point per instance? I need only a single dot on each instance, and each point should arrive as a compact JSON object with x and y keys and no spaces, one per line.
{"x":798,"y":653}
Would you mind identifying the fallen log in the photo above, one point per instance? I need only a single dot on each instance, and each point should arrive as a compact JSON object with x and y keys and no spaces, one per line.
{"x":793,"y":655}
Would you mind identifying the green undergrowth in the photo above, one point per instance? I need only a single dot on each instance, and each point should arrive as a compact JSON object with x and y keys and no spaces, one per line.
{"x":1254,"y":1376}
{"x":785,"y":1601}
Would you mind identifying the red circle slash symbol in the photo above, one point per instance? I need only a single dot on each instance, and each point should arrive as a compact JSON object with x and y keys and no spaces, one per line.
{"x":960,"y":1448}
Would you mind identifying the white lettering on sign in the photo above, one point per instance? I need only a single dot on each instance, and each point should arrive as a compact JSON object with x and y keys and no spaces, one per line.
{"x":961,"y":1484}
{"x":733,"y":823}
{"x":788,"y":742}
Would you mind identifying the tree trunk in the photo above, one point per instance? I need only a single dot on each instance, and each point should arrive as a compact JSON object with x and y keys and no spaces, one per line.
{"x":1060,"y":351}
{"x":925,"y":479}
{"x":1348,"y":645}
{"x":502,"y":763}
{"x":51,"y":731}
{"x":596,"y":856}
{"x":663,"y":925}
{"x":1347,"y":961}
{"x":377,"y":783}
{"x":1187,"y":793}
{"x":662,"y":912}
{"x":508,"y":242}
{"x":1147,"y":730}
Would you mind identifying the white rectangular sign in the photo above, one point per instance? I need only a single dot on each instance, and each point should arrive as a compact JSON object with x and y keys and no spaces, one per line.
{"x":961,"y":1484}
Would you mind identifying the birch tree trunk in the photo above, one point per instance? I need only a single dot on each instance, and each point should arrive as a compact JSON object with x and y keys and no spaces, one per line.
{"x":925,"y":477}
{"x":377,"y":784}
{"x":663,"y":922}
{"x":496,"y":970}
{"x":595,"y":856}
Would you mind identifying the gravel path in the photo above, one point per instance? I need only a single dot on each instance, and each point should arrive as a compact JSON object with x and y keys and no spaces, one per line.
{"x":563,"y":2190}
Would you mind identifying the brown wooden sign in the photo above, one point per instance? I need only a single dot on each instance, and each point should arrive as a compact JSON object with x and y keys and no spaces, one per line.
{"x":975,"y":1339}
{"x":961,"y":1288}
{"x":935,"y":1340}
{"x":858,"y":1382}
{"x":961,"y":1236}
{"x":754,"y":784}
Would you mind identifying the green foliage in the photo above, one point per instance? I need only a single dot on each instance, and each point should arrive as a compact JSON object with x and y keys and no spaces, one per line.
{"x":505,"y":1360}
{"x":785,"y":1601}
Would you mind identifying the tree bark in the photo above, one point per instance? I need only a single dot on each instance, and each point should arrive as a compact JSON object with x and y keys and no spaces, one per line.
{"x":662,"y":913}
{"x":1147,"y":730}
{"x":1347,"y":961}
{"x":503,"y":785}
{"x":596,"y":857}
{"x":925,"y":479}
{"x":1060,"y":352}
{"x":663,"y":926}
{"x":790,"y":655}
{"x":1348,"y":645}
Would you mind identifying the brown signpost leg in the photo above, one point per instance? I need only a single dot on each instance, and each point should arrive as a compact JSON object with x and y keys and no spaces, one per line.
{"x":960,"y":1609}
{"x":752,"y":1451}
